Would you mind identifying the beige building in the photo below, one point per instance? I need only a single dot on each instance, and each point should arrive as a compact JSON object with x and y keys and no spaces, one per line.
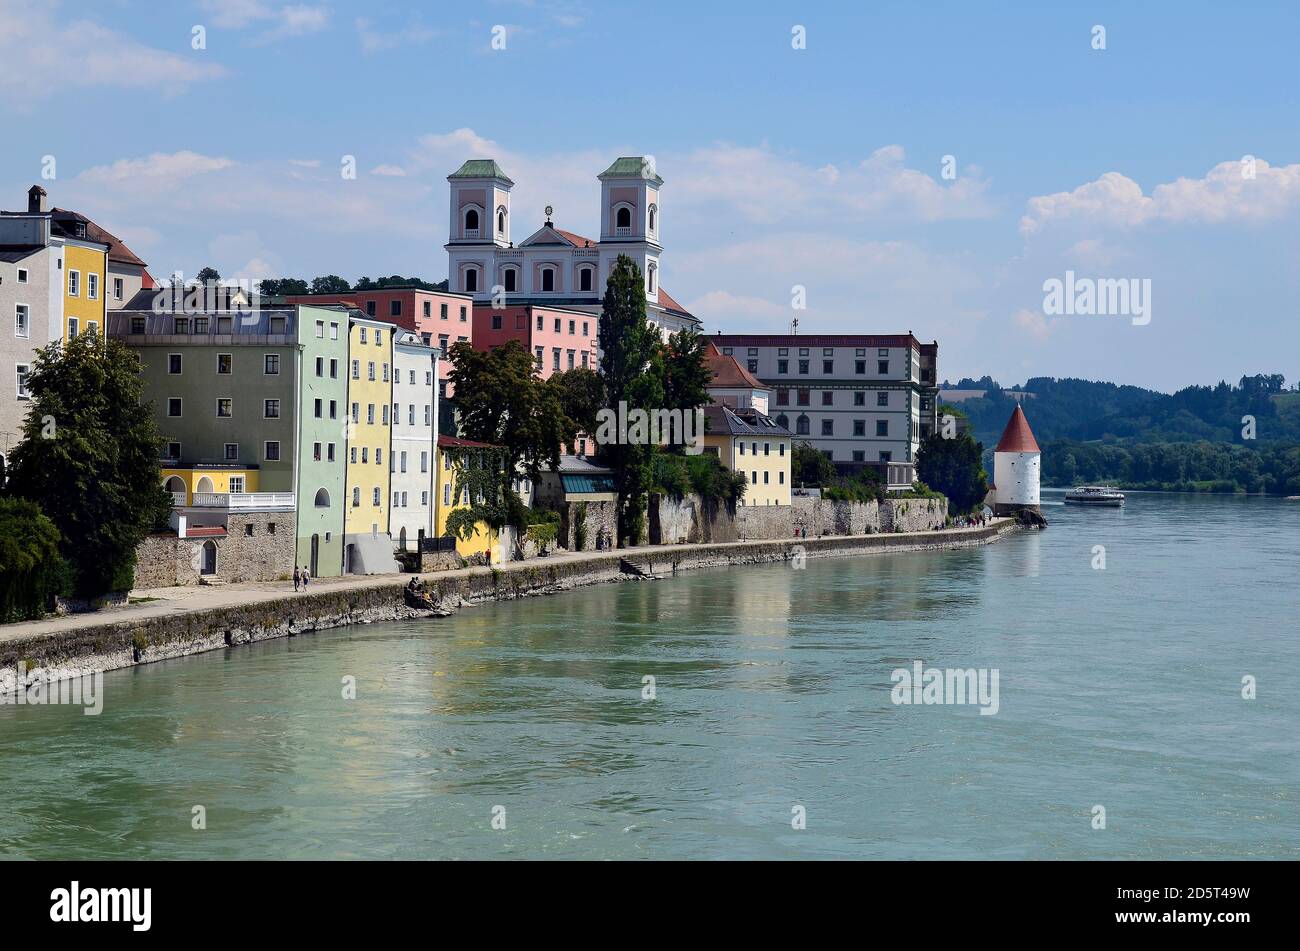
{"x":749,"y":442}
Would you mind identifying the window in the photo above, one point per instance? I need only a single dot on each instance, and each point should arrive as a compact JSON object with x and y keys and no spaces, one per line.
{"x":271,"y":365}
{"x":374,"y":500}
{"x":92,"y":286}
{"x":859,"y":398}
{"x":173,"y":451}
{"x":782,"y":397}
{"x":361,"y":335}
{"x":174,"y":364}
{"x":859,"y":427}
{"x":424,"y":461}
{"x":652,"y":272}
{"x":859,"y":455}
{"x":365,"y":454}
{"x":334,"y":368}
{"x":271,"y":452}
{"x":225,"y":363}
{"x":828,"y":398}
{"x":379,"y":456}
{"x":394,"y":308}
{"x":397,"y":496}
{"x":463,"y":316}
{"x":174,"y":406}
{"x":322,"y":498}
{"x":752,"y":366}
{"x":557,"y":324}
{"x":356,"y":496}
{"x":385,"y":419}
{"x":801,"y":426}
{"x":20,"y":374}
{"x":329,"y":452}
{"x":623,"y":220}
{"x":508,"y":277}
{"x":782,"y":366}
{"x":555,"y":358}
{"x":223,"y":325}
{"x":803,"y":366}
{"x":584,"y":280}
{"x":882,"y":427}
{"x":859,"y":366}
{"x":573,"y":325}
{"x":22,"y":275}
{"x":501,"y":221}
{"x":370,"y":312}
{"x":428,"y":309}
{"x":232,"y":451}
{"x":653,"y":215}
{"x":271,"y":409}
{"x":236,"y":482}
{"x":828,"y":366}
{"x":334,"y":331}
{"x":584,"y":359}
{"x":471,"y":280}
{"x":385,"y":372}
{"x":538,"y":354}
{"x":886,"y":456}
{"x":320,"y":366}
{"x":356,"y":412}
{"x":496,"y":321}
{"x":352,"y":456}
{"x":320,"y":330}
{"x":225,"y":408}
{"x":370,"y":370}
{"x":570,"y":358}
{"x":471,"y":223}
{"x":804,"y":397}
{"x":334,"y":409}
{"x":883,"y":352}
{"x":446,"y":493}
{"x":200,"y":326}
{"x":22,"y":320}
{"x":882,"y":398}
{"x":370,"y":413}
{"x":315,"y":451}
{"x":828,"y":427}
{"x":882,"y":367}
{"x":784,"y":422}
{"x":356,"y":369}
{"x":74,"y":283}
{"x":403,"y":461}
{"x":73,"y":325}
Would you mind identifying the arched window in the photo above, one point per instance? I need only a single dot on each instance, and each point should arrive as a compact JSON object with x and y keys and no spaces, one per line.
{"x":653,"y":217}
{"x":548,"y":278}
{"x":322,"y":499}
{"x":652,"y":272}
{"x":802,"y":426}
{"x":471,"y":280}
{"x":783,"y":421}
{"x":509,"y":279}
{"x":501,"y":221}
{"x":205,"y":485}
{"x":471,"y":219}
{"x":584,"y":278}
{"x":623,"y":218}
{"x":356,"y":496}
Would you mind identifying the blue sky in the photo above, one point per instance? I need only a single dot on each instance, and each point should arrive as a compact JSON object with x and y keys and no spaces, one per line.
{"x":818,"y":167}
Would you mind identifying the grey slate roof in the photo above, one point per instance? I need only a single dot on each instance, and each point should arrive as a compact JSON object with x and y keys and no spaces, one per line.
{"x":722,"y":420}
{"x":481,"y":168}
{"x":632,"y":166}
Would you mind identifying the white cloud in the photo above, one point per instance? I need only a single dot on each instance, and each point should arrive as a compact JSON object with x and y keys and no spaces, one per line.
{"x":37,"y":44}
{"x":374,"y":40}
{"x":1224,"y":194}
{"x":1033,"y":323}
{"x":274,"y":21}
{"x":391,"y":171}
{"x":159,"y":168}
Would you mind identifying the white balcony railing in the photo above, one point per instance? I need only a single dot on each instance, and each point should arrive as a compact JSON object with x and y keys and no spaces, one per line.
{"x":622,"y":232}
{"x":178,"y":498}
{"x":243,"y":501}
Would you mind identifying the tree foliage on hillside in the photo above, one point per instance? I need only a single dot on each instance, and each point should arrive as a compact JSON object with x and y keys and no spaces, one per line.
{"x":953,"y":467}
{"x":1180,"y":466}
{"x":89,"y":459}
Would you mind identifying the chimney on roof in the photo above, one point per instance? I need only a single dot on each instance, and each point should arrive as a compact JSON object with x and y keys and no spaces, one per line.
{"x":36,"y":200}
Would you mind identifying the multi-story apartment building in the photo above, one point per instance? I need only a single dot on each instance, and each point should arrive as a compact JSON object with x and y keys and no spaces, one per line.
{"x":867,"y":399}
{"x":558,"y":338}
{"x":414,"y":430}
{"x":368,"y":548}
{"x":553,"y":267}
{"x":322,"y":394}
{"x":748,"y":442}
{"x":28,"y":278}
{"x":449,"y":461}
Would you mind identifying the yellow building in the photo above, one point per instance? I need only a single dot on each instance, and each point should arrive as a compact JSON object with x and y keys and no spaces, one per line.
{"x":746,"y":441}
{"x":368,"y":440}
{"x":85,"y":264}
{"x":186,"y":483}
{"x":448,"y":500}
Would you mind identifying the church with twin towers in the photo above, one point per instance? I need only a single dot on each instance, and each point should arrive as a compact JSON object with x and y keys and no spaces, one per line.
{"x":551,"y":266}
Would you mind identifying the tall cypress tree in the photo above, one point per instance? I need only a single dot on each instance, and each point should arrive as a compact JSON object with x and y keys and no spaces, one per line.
{"x":631,"y":368}
{"x":89,"y":459}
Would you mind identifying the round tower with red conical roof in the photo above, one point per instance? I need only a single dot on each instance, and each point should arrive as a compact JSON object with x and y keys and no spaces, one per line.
{"x":1017,"y":467}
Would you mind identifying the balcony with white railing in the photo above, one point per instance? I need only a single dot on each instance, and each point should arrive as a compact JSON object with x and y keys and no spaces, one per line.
{"x":243,"y":501}
{"x":178,"y":498}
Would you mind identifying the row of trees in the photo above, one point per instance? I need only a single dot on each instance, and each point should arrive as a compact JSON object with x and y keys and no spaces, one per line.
{"x":1175,"y":466}
{"x":81,"y":490}
{"x":333,"y":284}
{"x":502,"y":400}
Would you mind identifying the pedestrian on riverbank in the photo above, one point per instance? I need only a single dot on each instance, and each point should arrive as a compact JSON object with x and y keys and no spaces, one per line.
{"x":296,"y":577}
{"x":305,"y":576}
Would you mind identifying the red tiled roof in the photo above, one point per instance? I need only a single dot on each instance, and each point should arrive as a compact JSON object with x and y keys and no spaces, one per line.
{"x":666,"y":300}
{"x":667,"y":303}
{"x":447,"y":442}
{"x":577,"y":239}
{"x":204,"y":531}
{"x":1017,"y":437}
{"x":727,"y":371}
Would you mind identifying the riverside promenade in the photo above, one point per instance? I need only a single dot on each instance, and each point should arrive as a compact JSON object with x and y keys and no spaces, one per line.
{"x":191,"y":619}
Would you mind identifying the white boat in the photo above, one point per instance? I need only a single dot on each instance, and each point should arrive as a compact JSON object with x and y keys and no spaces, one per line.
{"x":1095,"y":495}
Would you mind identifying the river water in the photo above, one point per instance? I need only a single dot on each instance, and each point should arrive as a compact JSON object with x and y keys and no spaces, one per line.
{"x":1118,"y":687}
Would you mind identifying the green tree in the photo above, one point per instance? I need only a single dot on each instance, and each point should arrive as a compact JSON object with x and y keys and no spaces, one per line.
{"x":32,"y":571}
{"x":330,"y":284}
{"x":502,"y":401}
{"x":953,"y":467}
{"x":686,"y":375}
{"x":581,"y":394}
{"x":207,"y":274}
{"x":810,"y":466}
{"x":89,"y":458}
{"x":630,"y":366}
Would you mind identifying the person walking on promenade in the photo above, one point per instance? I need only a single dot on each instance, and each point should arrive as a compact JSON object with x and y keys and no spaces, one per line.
{"x":305,"y":576}
{"x":296,"y":577}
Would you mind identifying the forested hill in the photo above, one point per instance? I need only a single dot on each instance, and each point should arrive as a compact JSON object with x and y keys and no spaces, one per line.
{"x":1192,"y":439}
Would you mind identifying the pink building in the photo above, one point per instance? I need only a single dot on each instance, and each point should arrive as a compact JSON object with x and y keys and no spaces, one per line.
{"x":559,"y":338}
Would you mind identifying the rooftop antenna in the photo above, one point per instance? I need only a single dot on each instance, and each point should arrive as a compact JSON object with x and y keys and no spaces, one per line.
{"x":794,"y":327}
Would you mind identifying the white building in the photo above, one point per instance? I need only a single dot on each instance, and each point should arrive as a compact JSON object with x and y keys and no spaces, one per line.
{"x":552,"y":266}
{"x":1017,"y":467}
{"x":861,"y":399}
{"x":414,"y":435}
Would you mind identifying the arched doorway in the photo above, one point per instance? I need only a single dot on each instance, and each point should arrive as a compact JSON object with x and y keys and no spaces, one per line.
{"x":209,"y":564}
{"x":315,"y":556}
{"x":401,"y":539}
{"x":176,"y":486}
{"x":349,"y":558}
{"x":205,"y":485}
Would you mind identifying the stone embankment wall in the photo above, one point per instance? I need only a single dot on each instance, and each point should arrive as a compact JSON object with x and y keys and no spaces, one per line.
{"x":109,"y":645}
{"x":688,"y":521}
